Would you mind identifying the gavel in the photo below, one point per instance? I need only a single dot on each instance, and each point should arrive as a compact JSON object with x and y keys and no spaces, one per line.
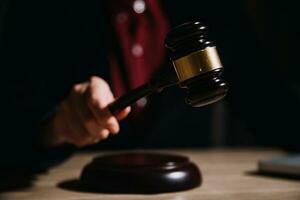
{"x":198,"y":70}
{"x":197,"y":65}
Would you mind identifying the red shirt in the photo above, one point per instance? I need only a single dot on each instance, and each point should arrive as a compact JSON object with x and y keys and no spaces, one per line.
{"x":140,"y":27}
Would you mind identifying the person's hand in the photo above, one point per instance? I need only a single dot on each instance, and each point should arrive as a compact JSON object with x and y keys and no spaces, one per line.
{"x":83,"y":118}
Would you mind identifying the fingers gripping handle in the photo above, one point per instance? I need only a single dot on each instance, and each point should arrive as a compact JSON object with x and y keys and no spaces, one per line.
{"x":130,"y":97}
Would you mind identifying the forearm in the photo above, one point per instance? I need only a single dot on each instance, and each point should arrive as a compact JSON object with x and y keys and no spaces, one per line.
{"x":48,"y":133}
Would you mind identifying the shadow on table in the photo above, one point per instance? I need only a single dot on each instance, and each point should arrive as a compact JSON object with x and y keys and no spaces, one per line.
{"x":14,"y":181}
{"x":273,"y":175}
{"x":73,"y":185}
{"x":76,"y":186}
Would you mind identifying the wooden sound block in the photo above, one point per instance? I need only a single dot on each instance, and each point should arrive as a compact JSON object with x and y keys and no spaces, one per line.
{"x":140,"y":173}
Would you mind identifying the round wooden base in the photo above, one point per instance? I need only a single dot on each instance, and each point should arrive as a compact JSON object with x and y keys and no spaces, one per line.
{"x":140,"y":173}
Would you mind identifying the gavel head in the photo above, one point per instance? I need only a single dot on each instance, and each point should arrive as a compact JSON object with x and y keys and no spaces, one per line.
{"x":196,"y":63}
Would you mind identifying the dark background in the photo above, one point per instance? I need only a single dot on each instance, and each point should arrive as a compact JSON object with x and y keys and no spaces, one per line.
{"x":47,"y":46}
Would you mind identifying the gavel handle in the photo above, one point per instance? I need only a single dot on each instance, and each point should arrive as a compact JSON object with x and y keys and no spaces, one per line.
{"x":139,"y":92}
{"x":130,"y":97}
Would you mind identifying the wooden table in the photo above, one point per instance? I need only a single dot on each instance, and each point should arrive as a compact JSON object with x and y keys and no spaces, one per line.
{"x":228,"y":174}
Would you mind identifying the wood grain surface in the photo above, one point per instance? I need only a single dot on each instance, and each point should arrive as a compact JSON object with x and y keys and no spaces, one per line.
{"x":228,"y":175}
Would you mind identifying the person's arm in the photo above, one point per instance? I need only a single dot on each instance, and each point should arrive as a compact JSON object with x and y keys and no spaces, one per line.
{"x":83,"y":117}
{"x":31,"y":141}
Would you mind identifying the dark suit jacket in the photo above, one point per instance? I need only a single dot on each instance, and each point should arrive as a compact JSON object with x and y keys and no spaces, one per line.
{"x":47,"y":46}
